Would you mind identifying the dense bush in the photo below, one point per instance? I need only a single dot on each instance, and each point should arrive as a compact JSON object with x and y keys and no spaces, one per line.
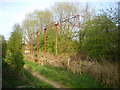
{"x":3,"y":46}
{"x":13,"y":62}
{"x":101,"y":38}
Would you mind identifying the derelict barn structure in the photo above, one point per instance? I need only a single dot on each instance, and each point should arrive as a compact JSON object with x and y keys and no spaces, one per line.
{"x":71,"y":22}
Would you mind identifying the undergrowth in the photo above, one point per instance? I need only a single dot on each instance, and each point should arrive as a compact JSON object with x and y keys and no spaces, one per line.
{"x":65,"y":77}
{"x":26,"y":80}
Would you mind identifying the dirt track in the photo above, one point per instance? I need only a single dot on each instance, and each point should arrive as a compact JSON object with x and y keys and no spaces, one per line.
{"x":54,"y":84}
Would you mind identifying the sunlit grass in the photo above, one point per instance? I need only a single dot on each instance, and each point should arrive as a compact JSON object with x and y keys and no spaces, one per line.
{"x":37,"y":83}
{"x":65,"y":77}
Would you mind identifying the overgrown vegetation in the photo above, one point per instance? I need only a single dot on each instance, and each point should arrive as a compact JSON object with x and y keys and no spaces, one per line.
{"x":13,"y":62}
{"x":27,"y":81}
{"x":3,"y":44}
{"x":64,"y":76}
{"x":98,"y":37}
{"x":101,"y":39}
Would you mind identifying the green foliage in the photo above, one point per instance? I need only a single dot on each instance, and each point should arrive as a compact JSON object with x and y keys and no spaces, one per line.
{"x":36,"y":82}
{"x":13,"y":62}
{"x":65,"y":44}
{"x":96,"y":35}
{"x":100,"y":38}
{"x":39,"y":19}
{"x":15,"y":39}
{"x":50,"y":40}
{"x":35,"y":21}
{"x":27,"y":80}
{"x":3,"y":46}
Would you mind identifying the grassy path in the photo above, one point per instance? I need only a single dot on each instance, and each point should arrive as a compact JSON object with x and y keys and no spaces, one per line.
{"x":64,"y":77}
{"x":54,"y":84}
{"x":26,"y":80}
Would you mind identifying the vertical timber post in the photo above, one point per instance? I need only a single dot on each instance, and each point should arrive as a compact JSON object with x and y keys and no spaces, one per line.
{"x":56,"y":27}
{"x":45,"y":40}
{"x":78,"y":20}
{"x":36,"y":55}
{"x":31,"y":44}
{"x":37,"y":42}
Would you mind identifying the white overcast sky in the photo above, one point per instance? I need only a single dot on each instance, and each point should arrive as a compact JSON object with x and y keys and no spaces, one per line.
{"x":14,"y":11}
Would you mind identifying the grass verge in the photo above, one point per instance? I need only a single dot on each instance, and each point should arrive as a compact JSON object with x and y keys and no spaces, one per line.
{"x":65,"y":77}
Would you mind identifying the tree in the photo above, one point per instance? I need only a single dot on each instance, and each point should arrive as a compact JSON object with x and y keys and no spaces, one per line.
{"x":66,"y":34}
{"x":88,"y":12}
{"x":3,"y":46}
{"x":14,"y":58}
{"x":35,"y":21}
{"x":61,"y":11}
{"x":100,"y":40}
